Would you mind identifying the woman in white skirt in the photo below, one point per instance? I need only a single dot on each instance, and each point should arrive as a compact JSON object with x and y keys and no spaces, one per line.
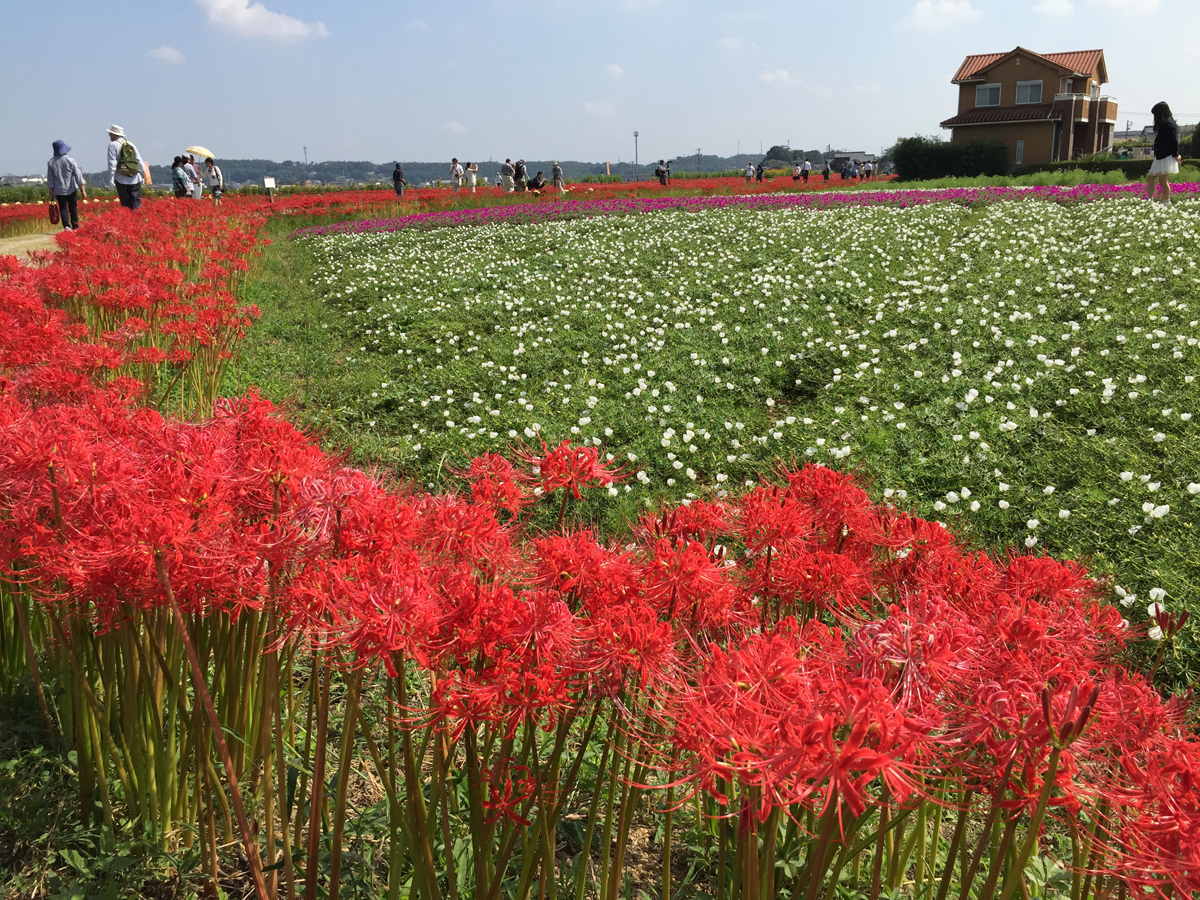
{"x":1166,"y":151}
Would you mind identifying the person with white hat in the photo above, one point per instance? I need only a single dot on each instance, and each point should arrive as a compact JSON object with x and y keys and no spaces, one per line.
{"x":65,"y":181}
{"x":125,"y":168}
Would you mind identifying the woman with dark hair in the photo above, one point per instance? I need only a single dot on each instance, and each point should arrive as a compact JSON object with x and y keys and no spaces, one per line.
{"x":180,"y":180}
{"x":1166,"y":151}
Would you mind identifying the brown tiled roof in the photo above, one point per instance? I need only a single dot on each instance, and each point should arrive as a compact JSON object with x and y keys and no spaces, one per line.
{"x":992,"y":115}
{"x":1082,"y":61}
{"x":974,"y":64}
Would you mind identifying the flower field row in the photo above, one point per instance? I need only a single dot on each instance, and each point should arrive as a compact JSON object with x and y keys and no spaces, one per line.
{"x":1026,"y":369}
{"x":532,"y":213}
{"x":385,"y":691}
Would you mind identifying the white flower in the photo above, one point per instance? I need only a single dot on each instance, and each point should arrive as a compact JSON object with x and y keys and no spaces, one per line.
{"x":1031,"y":542}
{"x":1048,"y":490}
{"x":1032,"y":524}
{"x":1157,"y":594}
{"x":1193,"y":488}
{"x":1064,"y":514}
{"x":1003,"y":504}
{"x":1002,"y":486}
{"x":1160,"y":511}
{"x":1155,"y":633}
{"x":975,"y":506}
{"x":1154,"y":609}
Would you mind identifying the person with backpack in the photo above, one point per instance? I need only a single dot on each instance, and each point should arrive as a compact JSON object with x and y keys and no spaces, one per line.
{"x":398,"y":181}
{"x":66,"y":183}
{"x":214,"y":179}
{"x":125,"y":168}
{"x":181,"y":180}
{"x":520,"y":175}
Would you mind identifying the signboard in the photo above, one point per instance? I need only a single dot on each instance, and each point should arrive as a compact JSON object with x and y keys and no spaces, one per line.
{"x":269,"y":183}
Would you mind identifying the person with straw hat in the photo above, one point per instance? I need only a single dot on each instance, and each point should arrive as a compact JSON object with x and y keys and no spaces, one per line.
{"x":65,"y":181}
{"x":125,"y":168}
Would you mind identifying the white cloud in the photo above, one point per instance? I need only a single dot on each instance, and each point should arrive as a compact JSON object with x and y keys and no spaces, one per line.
{"x":1054,"y":7}
{"x":614,"y":70}
{"x":929,"y":15}
{"x":240,"y":18}
{"x":779,"y":76}
{"x":455,"y":127}
{"x":601,"y":109}
{"x":1133,"y":5}
{"x":735,"y":44}
{"x":418,"y":26}
{"x":167,"y":54}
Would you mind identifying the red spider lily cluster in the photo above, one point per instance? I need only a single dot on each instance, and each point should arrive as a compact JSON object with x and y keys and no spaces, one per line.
{"x":798,"y":654}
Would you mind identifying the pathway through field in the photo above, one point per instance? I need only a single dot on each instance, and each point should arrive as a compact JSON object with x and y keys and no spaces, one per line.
{"x":23,"y":244}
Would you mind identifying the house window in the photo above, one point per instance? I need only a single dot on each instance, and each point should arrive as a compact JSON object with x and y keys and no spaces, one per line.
{"x":1020,"y":153}
{"x":987,"y":95}
{"x":1029,"y":91}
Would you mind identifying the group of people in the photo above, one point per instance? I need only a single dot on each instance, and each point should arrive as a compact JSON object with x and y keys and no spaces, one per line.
{"x":189,"y":179}
{"x":127,"y":172}
{"x":513,"y":178}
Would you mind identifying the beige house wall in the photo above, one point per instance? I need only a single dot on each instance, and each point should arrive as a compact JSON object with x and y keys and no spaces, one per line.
{"x":1038,"y":138}
{"x":1008,"y":73}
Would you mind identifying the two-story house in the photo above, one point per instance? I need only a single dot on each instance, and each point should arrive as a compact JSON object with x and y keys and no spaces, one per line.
{"x":1043,"y":107}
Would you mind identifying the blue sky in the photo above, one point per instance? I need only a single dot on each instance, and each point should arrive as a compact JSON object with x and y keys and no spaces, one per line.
{"x":572,"y":79}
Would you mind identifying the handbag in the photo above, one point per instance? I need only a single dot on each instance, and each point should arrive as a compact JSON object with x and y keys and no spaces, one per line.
{"x":54,"y":220}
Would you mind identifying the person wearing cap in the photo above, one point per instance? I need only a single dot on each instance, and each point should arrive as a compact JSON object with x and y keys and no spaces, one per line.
{"x":66,"y":183}
{"x":125,"y":173}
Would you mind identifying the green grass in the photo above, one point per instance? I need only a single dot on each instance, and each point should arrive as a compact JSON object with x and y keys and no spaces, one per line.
{"x":1064,"y":178}
{"x":699,"y":349}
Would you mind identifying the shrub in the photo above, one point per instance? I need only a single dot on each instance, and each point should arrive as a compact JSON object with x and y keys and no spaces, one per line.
{"x":921,"y":158}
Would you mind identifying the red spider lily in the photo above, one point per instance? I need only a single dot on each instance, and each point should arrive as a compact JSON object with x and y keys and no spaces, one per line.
{"x":569,"y":466}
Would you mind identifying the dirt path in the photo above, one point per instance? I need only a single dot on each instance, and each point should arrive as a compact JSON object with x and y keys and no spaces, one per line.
{"x":23,"y":244}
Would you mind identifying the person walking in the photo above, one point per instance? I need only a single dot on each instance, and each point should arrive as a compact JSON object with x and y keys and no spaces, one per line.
{"x":125,"y":168}
{"x":796,"y":172}
{"x":1166,"y":151}
{"x":456,"y":175}
{"x":214,"y":179}
{"x":805,"y":169}
{"x":825,"y":172}
{"x":760,"y":172}
{"x":507,"y":171}
{"x":65,"y":182}
{"x":560,"y":183}
{"x":749,"y":172}
{"x":472,"y":175}
{"x":398,"y":181}
{"x":181,"y":180}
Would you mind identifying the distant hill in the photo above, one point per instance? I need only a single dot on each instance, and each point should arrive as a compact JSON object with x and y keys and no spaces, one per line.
{"x":252,"y":171}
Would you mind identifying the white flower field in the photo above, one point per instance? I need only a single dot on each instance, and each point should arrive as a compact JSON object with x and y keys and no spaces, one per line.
{"x":1024,"y":371}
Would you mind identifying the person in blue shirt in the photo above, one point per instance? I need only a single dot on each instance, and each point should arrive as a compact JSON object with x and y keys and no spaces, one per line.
{"x":65,"y":181}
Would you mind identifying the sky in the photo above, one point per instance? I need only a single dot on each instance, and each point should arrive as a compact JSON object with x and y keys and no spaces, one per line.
{"x":570,"y":79}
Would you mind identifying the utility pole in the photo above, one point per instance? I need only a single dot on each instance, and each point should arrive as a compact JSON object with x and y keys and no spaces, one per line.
{"x":697,"y":160}
{"x":306,"y":164}
{"x":635,"y":157}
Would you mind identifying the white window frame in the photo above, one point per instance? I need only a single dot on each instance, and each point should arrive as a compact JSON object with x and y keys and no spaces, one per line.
{"x":987,"y":87}
{"x":1020,"y":154}
{"x":1026,"y":84}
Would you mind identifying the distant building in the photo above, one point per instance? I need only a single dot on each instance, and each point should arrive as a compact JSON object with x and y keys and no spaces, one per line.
{"x":843,"y":158}
{"x":18,"y":180}
{"x":1044,"y":108}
